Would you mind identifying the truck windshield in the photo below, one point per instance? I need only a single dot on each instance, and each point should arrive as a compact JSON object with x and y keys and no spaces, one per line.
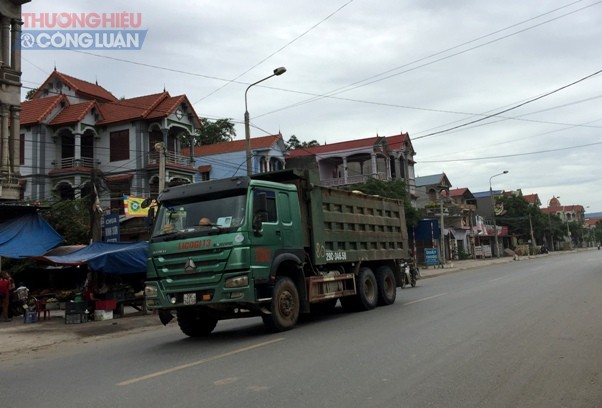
{"x":211,"y":215}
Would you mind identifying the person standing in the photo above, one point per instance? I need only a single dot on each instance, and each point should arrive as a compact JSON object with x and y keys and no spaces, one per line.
{"x":5,"y":283}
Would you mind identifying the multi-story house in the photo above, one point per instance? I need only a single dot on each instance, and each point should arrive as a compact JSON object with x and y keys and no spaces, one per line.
{"x":355,"y":161}
{"x":461,"y":217}
{"x":429,"y":189}
{"x":228,"y":159}
{"x":10,"y":98}
{"x":74,"y":132}
{"x":574,"y":213}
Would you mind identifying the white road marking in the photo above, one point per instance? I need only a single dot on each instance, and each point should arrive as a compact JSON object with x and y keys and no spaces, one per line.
{"x":195,"y":363}
{"x":426,"y":298}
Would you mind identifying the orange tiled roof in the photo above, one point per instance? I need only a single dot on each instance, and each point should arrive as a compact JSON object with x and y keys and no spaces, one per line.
{"x":84,"y":88}
{"x":457,"y":192}
{"x":531,"y":198}
{"x":394,"y":142}
{"x":34,"y":111}
{"x":133,"y":108}
{"x":169,"y":105}
{"x":263,"y":142}
{"x":73,"y":113}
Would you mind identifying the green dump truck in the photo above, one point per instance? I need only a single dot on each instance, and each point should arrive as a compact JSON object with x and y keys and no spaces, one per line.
{"x":273,"y":245}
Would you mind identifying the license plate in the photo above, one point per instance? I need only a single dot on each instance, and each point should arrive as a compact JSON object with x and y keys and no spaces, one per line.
{"x":189,"y":298}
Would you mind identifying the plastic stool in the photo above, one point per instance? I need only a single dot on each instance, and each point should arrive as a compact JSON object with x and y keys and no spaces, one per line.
{"x":41,"y":308}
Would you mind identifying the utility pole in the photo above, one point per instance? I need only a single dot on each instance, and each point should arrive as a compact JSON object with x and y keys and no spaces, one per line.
{"x":497,"y":245}
{"x":532,"y":236}
{"x":442,"y":235}
{"x":95,"y":209}
{"x":160,"y":148}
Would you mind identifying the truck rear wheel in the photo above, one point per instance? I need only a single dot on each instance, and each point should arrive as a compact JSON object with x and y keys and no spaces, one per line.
{"x":196,"y":323}
{"x":366,"y":297}
{"x":387,"y":287}
{"x":284,"y":306}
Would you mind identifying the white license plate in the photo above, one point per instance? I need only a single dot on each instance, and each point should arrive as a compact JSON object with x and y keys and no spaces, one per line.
{"x":189,"y":298}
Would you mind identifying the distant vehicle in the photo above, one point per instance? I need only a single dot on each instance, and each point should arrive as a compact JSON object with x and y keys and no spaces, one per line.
{"x":543,"y":249}
{"x":278,"y":245}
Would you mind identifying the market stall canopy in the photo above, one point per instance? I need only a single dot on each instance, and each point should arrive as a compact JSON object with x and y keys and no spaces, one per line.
{"x":25,"y":233}
{"x":107,"y":257}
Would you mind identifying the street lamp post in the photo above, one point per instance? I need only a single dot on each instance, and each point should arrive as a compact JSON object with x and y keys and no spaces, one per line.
{"x":497,"y":245}
{"x":277,"y":71}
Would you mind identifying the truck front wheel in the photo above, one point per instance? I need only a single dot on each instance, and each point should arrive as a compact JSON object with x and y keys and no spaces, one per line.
{"x":195,"y":322}
{"x":284,"y":307}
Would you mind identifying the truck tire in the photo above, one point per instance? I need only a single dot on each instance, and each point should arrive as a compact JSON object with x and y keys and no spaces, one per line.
{"x":387,"y":287}
{"x":366,"y":297}
{"x":284,"y":307}
{"x":195,"y":323}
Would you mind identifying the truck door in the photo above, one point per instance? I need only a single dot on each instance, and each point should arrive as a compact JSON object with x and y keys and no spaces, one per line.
{"x":267,"y":231}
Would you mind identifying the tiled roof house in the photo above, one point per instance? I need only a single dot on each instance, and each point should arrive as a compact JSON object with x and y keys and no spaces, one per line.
{"x":228,"y":159}
{"x":72,"y":130}
{"x":354,"y":161}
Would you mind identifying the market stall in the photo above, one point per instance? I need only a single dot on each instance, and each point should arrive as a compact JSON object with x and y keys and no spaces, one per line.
{"x":114,"y":278}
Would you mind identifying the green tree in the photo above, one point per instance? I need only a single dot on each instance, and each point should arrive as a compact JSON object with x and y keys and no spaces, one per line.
{"x":71,"y":219}
{"x":294,"y":143}
{"x":520,"y":217}
{"x":598,"y":232}
{"x":218,"y":131}
{"x":30,"y":93}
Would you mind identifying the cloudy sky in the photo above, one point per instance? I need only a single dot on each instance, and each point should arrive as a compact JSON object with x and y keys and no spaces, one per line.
{"x":481,"y":86}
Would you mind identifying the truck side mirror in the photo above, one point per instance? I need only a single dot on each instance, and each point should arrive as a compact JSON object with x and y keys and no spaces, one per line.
{"x":260,"y":210}
{"x":151,"y":216}
{"x":146,"y":203}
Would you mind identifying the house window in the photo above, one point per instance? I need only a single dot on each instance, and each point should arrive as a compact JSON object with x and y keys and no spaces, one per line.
{"x":22,"y":149}
{"x":120,"y":145}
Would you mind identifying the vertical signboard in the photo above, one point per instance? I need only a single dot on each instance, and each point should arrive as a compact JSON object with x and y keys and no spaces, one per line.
{"x":431,"y":256}
{"x":110,"y":227}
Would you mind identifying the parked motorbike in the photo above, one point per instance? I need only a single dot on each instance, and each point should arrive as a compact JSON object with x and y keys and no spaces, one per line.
{"x":18,"y":303}
{"x":543,"y":250}
{"x":409,"y":276}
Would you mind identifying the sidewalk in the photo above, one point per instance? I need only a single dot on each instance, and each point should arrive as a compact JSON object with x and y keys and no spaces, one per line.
{"x":454,"y":266}
{"x":19,"y":337}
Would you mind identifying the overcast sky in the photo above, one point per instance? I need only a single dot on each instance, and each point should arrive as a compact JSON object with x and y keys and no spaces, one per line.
{"x":481,"y":86}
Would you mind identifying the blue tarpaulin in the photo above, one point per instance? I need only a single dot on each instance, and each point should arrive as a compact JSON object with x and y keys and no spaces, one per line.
{"x":27,"y":235}
{"x":107,"y":257}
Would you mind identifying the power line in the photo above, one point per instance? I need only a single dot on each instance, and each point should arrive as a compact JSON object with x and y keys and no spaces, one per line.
{"x":276,"y":52}
{"x":511,"y":108}
{"x":372,"y":79}
{"x":512,"y":155}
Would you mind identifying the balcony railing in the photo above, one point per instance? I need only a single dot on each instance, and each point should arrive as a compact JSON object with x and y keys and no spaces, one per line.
{"x":358,"y":179}
{"x":71,"y":162}
{"x":170,"y":158}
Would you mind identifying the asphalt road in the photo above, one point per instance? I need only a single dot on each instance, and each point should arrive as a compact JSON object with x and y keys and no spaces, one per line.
{"x":521,"y":334}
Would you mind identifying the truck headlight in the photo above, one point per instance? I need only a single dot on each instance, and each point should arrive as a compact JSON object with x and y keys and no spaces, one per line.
{"x":237,"y":282}
{"x":150,"y":291}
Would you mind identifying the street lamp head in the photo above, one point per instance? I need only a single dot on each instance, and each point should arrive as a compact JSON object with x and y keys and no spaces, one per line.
{"x":505,"y":172}
{"x":279,"y":71}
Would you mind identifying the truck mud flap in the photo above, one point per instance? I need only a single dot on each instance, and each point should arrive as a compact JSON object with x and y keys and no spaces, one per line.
{"x":165,"y":317}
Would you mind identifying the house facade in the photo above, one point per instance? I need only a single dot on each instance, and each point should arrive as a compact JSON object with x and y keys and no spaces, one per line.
{"x":10,"y":98}
{"x":355,"y":161}
{"x":74,"y":133}
{"x":228,"y":159}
